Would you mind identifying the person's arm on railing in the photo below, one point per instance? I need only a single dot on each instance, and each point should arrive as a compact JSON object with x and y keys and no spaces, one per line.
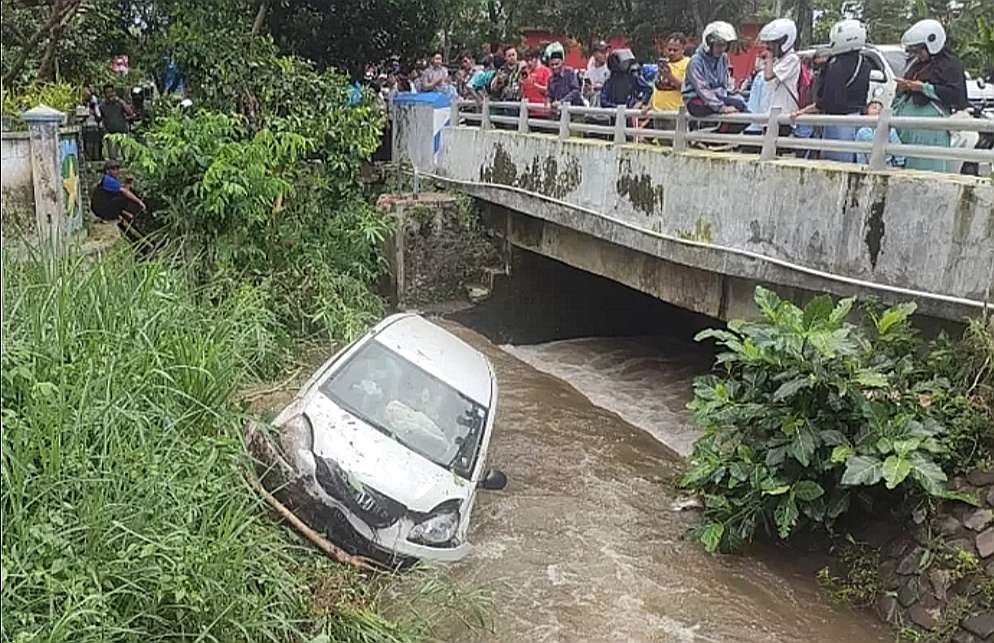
{"x":809,"y":109}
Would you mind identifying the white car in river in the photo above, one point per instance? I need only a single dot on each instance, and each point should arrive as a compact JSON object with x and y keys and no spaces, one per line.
{"x":392,"y":433}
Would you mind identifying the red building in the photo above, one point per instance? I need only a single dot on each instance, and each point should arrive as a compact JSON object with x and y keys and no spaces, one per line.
{"x":742,"y":58}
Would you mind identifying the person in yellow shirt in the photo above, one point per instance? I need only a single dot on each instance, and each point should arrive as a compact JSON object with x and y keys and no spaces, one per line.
{"x":666,"y":96}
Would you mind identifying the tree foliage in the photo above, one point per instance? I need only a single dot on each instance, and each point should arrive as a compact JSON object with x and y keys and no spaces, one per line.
{"x":347,"y":35}
{"x":814,"y":413}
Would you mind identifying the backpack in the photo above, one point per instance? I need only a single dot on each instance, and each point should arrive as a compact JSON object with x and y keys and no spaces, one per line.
{"x":804,"y":81}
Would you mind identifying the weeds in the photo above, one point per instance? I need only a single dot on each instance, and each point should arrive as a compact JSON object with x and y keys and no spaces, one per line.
{"x":125,"y":513}
{"x":860,"y":586}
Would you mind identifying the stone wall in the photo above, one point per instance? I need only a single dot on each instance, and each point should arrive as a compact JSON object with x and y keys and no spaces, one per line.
{"x":18,"y":209}
{"x":28,"y":208}
{"x":938,"y":578}
{"x":438,"y":249}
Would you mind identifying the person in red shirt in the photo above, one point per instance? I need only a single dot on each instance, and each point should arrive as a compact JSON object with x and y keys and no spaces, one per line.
{"x":535,"y":83}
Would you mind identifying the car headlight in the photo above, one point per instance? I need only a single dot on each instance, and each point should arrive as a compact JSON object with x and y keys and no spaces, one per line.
{"x":300,"y":432}
{"x":437,"y":529}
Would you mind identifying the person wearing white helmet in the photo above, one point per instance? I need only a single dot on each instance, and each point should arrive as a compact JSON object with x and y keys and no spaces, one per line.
{"x":705,"y":87}
{"x":934,"y":85}
{"x":781,"y":67}
{"x":843,"y":86}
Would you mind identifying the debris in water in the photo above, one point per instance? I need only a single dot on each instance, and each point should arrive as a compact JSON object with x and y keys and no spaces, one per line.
{"x":686,"y":503}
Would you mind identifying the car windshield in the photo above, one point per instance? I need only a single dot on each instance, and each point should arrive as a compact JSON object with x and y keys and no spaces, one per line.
{"x":409,"y":405}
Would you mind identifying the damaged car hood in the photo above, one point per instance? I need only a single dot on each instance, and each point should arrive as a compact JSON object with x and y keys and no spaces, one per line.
{"x":379,"y":461}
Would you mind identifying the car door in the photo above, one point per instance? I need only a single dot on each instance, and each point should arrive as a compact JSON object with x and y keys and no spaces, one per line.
{"x":481,"y":461}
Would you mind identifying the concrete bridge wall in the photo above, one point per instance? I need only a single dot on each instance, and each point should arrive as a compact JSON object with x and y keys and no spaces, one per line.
{"x":918,"y":231}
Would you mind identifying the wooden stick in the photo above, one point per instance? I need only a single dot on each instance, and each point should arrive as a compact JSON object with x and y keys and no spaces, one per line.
{"x":252,"y":436}
{"x":319,"y":541}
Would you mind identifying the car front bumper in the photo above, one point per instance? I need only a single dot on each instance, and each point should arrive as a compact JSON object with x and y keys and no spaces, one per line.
{"x":391,"y":540}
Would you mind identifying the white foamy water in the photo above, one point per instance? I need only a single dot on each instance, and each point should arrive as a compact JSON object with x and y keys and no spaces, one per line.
{"x":644,"y":380}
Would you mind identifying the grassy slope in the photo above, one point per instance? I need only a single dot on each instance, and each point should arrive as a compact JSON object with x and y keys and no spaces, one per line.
{"x":124,"y":511}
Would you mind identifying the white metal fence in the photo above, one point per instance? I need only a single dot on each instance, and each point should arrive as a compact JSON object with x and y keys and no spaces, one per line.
{"x":622,"y":125}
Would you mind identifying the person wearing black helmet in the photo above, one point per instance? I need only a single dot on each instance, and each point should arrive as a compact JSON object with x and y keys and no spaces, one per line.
{"x":597,"y":70}
{"x":625,"y":86}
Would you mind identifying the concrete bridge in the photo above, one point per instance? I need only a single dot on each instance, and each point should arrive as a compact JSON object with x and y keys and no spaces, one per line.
{"x":700,"y":229}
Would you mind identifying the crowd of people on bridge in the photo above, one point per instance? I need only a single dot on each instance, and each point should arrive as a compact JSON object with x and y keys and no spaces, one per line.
{"x":833,"y":80}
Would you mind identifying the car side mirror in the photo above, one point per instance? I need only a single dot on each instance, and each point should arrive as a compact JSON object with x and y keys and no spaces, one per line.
{"x":877,"y":76}
{"x":493,"y":480}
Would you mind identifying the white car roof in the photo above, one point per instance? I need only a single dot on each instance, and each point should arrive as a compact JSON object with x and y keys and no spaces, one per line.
{"x":440,"y":353}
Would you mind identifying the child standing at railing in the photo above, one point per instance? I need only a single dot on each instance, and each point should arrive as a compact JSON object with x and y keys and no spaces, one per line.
{"x":866,"y":135}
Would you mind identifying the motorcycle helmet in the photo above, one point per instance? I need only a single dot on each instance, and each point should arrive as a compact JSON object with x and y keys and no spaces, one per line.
{"x":718,"y":32}
{"x":621,"y":60}
{"x":846,"y":35}
{"x":925,"y":32}
{"x":781,"y":31}
{"x":554,"y":49}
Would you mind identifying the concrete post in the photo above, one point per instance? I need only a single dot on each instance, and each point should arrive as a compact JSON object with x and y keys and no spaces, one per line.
{"x":881,"y":137}
{"x":680,"y":135}
{"x":769,"y":151}
{"x":485,"y":114}
{"x":619,"y":124}
{"x":392,"y":117}
{"x":523,"y":116}
{"x":563,"y":122}
{"x":50,"y":208}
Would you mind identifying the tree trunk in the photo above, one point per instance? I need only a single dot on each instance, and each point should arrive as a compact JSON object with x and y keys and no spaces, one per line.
{"x":260,"y":17}
{"x":46,"y":68}
{"x":695,"y":13}
{"x":62,"y":12}
{"x":805,"y":22}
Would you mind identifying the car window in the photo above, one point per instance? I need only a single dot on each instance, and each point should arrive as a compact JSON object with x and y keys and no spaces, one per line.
{"x":410,"y":405}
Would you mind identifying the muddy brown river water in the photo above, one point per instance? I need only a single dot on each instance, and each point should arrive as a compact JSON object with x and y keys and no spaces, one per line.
{"x":583,"y":544}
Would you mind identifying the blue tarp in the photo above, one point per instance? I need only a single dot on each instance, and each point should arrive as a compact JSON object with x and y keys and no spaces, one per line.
{"x":436,"y":99}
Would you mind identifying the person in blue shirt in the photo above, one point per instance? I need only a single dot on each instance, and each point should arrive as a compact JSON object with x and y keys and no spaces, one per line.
{"x":866,"y":135}
{"x":112,"y":200}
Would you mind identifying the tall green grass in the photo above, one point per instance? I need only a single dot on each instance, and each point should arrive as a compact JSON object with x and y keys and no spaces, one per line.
{"x":125,"y":514}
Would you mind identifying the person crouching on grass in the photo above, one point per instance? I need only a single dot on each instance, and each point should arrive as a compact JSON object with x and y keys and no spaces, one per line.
{"x":113,"y":200}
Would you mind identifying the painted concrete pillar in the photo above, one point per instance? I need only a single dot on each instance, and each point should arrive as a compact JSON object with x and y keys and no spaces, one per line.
{"x":418,"y":120}
{"x":50,"y":206}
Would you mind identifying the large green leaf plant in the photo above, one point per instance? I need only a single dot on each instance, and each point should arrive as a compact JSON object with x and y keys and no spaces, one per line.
{"x":810,"y":410}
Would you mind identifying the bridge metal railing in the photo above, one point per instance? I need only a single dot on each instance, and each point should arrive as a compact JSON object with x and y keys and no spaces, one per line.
{"x":622,"y":125}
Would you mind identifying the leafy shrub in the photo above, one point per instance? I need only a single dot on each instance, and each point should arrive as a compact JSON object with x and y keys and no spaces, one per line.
{"x":60,"y":96}
{"x":250,"y":206}
{"x":810,"y":411}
